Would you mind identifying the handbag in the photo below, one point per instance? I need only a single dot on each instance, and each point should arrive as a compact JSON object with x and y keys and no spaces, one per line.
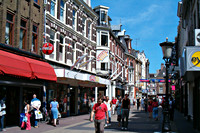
{"x":25,"y":119}
{"x":38,"y":114}
{"x":1,"y":113}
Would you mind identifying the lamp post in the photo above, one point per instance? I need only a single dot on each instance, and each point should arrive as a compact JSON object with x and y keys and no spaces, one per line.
{"x":167,"y":51}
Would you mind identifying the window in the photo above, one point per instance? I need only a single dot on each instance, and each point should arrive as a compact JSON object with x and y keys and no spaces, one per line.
{"x":61,"y":48}
{"x":89,"y":30}
{"x":83,"y":26}
{"x":34,"y":38}
{"x":9,"y":28}
{"x":52,"y":41}
{"x":161,"y":90}
{"x":104,"y":40}
{"x":60,"y":52}
{"x":53,"y":6}
{"x":61,"y":10}
{"x":104,"y":66}
{"x":74,"y":20}
{"x":22,"y":36}
{"x":103,"y":16}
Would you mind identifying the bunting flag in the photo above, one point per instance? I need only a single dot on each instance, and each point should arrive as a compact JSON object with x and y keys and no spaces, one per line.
{"x":78,"y":61}
{"x":116,"y":76}
{"x":114,"y":73}
{"x":86,"y":62}
{"x":154,"y":80}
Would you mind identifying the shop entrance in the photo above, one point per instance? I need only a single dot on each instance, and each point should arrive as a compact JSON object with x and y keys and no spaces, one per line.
{"x":72,"y":102}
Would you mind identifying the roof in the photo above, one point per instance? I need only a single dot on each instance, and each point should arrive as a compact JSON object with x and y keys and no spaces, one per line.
{"x":116,"y":27}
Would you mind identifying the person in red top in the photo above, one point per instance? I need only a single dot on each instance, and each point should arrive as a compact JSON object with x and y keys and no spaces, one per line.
{"x":99,"y":109}
{"x":114,"y":101}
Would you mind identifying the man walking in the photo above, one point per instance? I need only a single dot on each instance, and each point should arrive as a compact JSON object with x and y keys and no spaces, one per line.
{"x":114,"y":101}
{"x":125,"y":111}
{"x":100,"y":110}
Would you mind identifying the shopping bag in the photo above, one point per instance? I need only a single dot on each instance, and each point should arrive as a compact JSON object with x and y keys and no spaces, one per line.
{"x":25,"y":119}
{"x":38,"y":114}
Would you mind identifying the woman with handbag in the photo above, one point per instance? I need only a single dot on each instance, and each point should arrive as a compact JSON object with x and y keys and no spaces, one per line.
{"x":54,"y":110}
{"x":26,"y":119}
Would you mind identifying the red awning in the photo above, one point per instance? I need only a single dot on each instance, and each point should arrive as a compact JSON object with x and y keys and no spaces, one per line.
{"x":42,"y":70}
{"x":14,"y":65}
{"x":26,"y":67}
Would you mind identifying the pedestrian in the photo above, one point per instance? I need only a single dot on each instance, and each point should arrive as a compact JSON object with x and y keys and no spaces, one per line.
{"x":54,"y":111}
{"x":26,"y":123}
{"x":2,"y":114}
{"x":114,"y":101}
{"x":150,"y":107}
{"x":119,"y":110}
{"x":155,"y":109}
{"x":91,"y":104}
{"x":138,"y":103}
{"x":146,"y":104}
{"x":101,"y":111}
{"x":125,"y":111}
{"x":109,"y":106}
{"x":142,"y":103}
{"x":35,"y":105}
{"x":171,"y":108}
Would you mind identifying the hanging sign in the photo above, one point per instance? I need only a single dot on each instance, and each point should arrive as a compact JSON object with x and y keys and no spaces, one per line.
{"x":47,"y":48}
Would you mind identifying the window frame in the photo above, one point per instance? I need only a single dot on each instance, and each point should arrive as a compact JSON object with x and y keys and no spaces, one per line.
{"x":104,"y":34}
{"x":74,"y":19}
{"x":89,"y":30}
{"x":106,"y":66}
{"x":62,"y":8}
{"x":11,"y":32}
{"x":84,"y":26}
{"x":54,"y":1}
{"x":36,"y":40}
{"x":23,"y":45}
{"x":53,"y":54}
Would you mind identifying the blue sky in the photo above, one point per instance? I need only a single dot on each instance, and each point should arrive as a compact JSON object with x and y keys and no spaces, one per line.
{"x":148,"y":22}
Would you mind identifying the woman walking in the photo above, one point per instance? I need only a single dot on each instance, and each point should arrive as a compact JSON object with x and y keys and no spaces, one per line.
{"x":54,"y":111}
{"x":119,"y":111}
{"x":28,"y":115}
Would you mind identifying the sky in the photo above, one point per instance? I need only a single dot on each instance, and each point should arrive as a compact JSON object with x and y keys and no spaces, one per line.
{"x":148,"y":22}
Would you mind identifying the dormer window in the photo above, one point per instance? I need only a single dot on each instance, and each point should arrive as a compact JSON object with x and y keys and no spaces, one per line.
{"x":103,"y":16}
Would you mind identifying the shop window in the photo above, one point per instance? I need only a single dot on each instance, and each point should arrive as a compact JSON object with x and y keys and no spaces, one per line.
{"x":104,"y":66}
{"x":9,"y":29}
{"x":22,"y":39}
{"x":61,"y":10}
{"x":34,"y":38}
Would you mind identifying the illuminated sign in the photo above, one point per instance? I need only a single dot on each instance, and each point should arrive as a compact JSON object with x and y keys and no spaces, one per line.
{"x":47,"y":48}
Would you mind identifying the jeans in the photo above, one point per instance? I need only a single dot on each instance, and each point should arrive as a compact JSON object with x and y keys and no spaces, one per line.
{"x":125,"y":114}
{"x":2,"y":121}
{"x":109,"y":115}
{"x":155,"y":112}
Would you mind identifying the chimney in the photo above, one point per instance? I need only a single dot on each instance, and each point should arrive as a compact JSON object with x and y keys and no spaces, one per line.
{"x":162,"y":66}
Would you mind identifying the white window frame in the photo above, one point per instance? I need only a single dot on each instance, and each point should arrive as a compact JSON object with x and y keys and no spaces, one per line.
{"x":89,"y":30}
{"x":84,"y":27}
{"x":106,"y":34}
{"x":74,"y":19}
{"x":55,"y":8}
{"x":63,"y":8}
{"x":53,"y":55}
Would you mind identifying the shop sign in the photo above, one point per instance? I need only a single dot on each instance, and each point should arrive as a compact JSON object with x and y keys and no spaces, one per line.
{"x":94,"y":78}
{"x":47,"y":48}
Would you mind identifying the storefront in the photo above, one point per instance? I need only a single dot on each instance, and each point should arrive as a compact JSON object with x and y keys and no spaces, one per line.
{"x":80,"y":88}
{"x":20,"y":78}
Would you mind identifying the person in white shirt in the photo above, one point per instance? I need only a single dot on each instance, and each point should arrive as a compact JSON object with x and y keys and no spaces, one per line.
{"x":2,"y":114}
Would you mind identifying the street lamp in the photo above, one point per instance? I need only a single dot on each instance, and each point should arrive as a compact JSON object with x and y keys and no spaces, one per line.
{"x":167,"y":52}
